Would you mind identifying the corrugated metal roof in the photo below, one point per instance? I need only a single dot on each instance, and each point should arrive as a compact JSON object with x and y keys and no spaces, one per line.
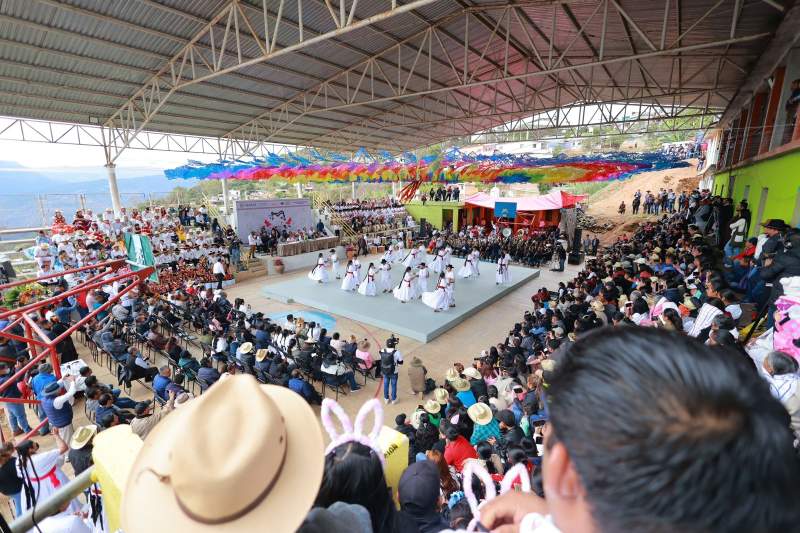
{"x":67,"y":60}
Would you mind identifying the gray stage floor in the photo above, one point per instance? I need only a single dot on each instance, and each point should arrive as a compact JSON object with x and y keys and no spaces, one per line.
{"x":413,"y":319}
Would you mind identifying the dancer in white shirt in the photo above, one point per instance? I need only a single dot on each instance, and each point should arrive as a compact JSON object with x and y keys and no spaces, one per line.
{"x":384,"y":277}
{"x":448,"y":254}
{"x":450,"y":276}
{"x":404,"y":291}
{"x":357,"y":269}
{"x":438,"y":262}
{"x":367,"y":287}
{"x":422,"y":254}
{"x":388,"y":255}
{"x":334,"y":259}
{"x":437,"y":299}
{"x":467,"y":270}
{"x":422,"y":279}
{"x":476,"y":259}
{"x":350,"y":282}
{"x":319,"y":273}
{"x":410,"y":260}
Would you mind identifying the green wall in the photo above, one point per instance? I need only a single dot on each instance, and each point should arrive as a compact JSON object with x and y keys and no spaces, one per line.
{"x":433,"y":212}
{"x":779,"y":174}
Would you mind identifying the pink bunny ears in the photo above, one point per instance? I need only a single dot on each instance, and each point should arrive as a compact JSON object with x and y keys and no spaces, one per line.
{"x":474,"y":468}
{"x":353,"y":432}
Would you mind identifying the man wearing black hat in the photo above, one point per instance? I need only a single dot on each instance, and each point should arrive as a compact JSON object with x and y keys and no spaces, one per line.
{"x":419,"y":495}
{"x":774,"y":228}
{"x":58,"y":407}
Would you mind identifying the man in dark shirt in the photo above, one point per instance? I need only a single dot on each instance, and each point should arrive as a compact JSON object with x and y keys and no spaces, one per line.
{"x":80,"y":448}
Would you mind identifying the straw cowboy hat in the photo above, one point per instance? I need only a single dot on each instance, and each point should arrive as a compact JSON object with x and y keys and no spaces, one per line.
{"x":432,"y":406}
{"x":451,"y":374}
{"x":460,"y":384}
{"x":82,"y":436}
{"x":247,"y":347}
{"x":480,"y":413}
{"x":226,"y":483}
{"x":261,"y":354}
{"x":441,"y":396}
{"x":472,"y":373}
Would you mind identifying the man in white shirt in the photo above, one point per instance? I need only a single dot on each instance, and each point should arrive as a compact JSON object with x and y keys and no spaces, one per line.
{"x":219,"y":271}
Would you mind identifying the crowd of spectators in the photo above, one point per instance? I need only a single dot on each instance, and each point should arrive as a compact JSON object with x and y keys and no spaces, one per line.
{"x":186,"y":243}
{"x":539,"y":417}
{"x":361,"y":214}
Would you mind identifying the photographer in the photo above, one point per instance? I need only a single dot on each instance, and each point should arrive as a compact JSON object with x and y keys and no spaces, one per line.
{"x":336,"y":373}
{"x":390,"y":359}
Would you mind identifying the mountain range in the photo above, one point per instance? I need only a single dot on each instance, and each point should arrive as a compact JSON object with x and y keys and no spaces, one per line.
{"x":28,"y":197}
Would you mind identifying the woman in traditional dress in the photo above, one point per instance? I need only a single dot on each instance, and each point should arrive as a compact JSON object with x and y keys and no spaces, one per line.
{"x":404,"y":292}
{"x":384,"y":277}
{"x":500,"y":273}
{"x":41,"y":473}
{"x":350,"y":282}
{"x":367,"y":287}
{"x":448,"y":254}
{"x":422,"y":279}
{"x":450,"y":276}
{"x":438,"y":262}
{"x":422,"y":255}
{"x":334,"y":259}
{"x":410,"y":260}
{"x":476,"y":259}
{"x":438,"y":299}
{"x":506,"y":271}
{"x":466,"y":270}
{"x":388,"y":255}
{"x":319,"y":273}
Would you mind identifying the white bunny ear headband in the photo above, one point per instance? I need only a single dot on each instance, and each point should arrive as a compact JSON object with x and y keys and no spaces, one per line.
{"x":353,"y":432}
{"x":474,"y":468}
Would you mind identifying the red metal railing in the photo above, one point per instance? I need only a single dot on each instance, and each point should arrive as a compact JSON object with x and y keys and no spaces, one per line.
{"x":39,"y":345}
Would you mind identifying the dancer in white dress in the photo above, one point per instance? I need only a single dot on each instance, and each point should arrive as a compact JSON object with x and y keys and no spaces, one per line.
{"x":368,"y":287}
{"x":422,"y":279}
{"x":450,"y":276}
{"x":405,"y":292}
{"x":503,"y":276}
{"x":319,"y":273}
{"x":334,"y":259}
{"x":448,"y":254}
{"x":388,"y":255}
{"x":438,"y":262}
{"x":350,"y":281}
{"x":422,"y":255}
{"x":438,"y":299}
{"x":43,"y":469}
{"x":384,"y":277}
{"x":467,"y":270}
{"x":476,"y":259}
{"x":357,"y":269}
{"x":410,"y":260}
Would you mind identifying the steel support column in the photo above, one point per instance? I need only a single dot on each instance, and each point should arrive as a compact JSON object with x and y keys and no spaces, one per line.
{"x":113,"y":189}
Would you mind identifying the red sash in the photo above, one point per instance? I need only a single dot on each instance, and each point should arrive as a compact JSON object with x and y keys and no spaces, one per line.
{"x":51,"y":475}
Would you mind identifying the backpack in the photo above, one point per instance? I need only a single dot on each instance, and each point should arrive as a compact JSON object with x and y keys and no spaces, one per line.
{"x":387,"y":363}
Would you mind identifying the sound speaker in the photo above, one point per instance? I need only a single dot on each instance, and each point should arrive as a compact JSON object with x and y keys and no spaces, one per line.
{"x":575,"y":258}
{"x":8,"y":269}
{"x":576,"y":241}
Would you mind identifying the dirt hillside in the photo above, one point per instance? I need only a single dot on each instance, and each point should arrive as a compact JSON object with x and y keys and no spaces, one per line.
{"x":604,"y":204}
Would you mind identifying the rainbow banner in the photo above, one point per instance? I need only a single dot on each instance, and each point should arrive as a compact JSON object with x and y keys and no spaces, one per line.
{"x":452,"y":166}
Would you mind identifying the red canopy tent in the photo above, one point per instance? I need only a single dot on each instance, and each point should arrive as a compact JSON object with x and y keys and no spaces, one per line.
{"x":534,"y":212}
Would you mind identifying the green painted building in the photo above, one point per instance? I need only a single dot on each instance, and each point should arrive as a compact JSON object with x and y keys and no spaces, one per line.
{"x":437,"y":214}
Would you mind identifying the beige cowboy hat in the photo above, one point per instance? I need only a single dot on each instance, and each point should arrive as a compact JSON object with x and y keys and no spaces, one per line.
{"x":441,"y":396}
{"x":472,"y":373}
{"x":261,"y":354}
{"x":246,"y":347}
{"x":432,"y":406}
{"x":451,"y":374}
{"x":224,"y":482}
{"x":480,"y":413}
{"x":82,"y":436}
{"x":460,"y":384}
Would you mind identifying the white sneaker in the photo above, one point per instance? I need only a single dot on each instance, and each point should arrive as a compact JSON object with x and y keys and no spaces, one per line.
{"x":386,"y":401}
{"x":394,"y":402}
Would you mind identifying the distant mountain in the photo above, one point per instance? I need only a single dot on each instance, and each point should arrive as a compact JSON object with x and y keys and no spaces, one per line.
{"x":28,"y":197}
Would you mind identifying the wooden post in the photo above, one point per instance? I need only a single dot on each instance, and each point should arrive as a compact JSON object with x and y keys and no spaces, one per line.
{"x":772,"y":109}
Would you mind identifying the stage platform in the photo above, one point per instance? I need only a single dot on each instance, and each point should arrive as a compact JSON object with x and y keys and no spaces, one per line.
{"x":413,"y":319}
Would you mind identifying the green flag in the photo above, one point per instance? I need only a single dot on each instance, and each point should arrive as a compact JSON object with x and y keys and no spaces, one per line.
{"x":140,"y":253}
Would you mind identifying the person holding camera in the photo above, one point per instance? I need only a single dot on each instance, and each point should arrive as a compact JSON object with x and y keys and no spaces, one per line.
{"x":390,"y":359}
